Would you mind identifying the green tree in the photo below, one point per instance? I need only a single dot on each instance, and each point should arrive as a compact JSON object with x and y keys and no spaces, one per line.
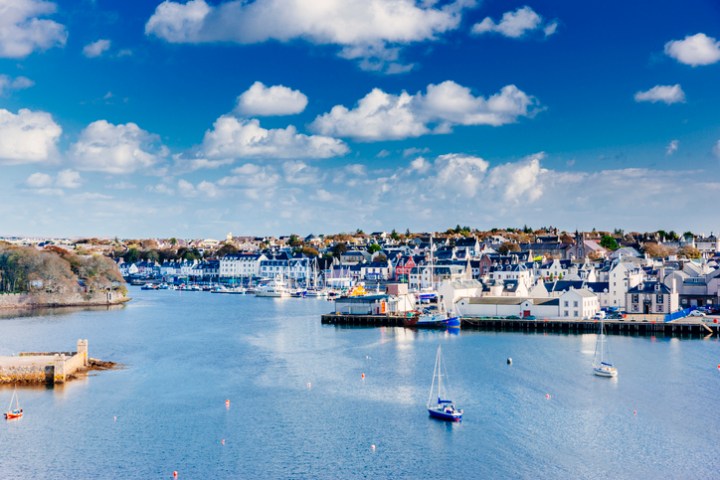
{"x":132,"y":255}
{"x":374,"y":247}
{"x":338,"y":249}
{"x":609,"y":242}
{"x":294,"y":241}
{"x":394,"y":235}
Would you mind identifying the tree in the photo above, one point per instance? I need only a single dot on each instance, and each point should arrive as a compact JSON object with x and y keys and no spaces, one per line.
{"x":507,"y":247}
{"x":609,"y":242}
{"x":132,"y":255}
{"x":338,"y":249}
{"x":380,"y":257}
{"x":374,"y":247}
{"x":688,"y":251}
{"x":655,"y":250}
{"x":308,"y":251}
{"x":294,"y":241}
{"x":226,"y":249}
{"x":394,"y":235}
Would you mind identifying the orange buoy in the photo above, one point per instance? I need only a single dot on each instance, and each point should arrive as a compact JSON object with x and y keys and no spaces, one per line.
{"x":174,"y":473}
{"x":362,"y":376}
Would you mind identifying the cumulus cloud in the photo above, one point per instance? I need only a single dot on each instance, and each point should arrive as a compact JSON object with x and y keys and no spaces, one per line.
{"x":275,"y":100}
{"x":96,"y":48}
{"x":27,"y":137}
{"x":251,"y":175}
{"x":64,"y":179}
{"x":698,"y":49}
{"x":668,"y":94}
{"x":117,"y":149}
{"x":8,"y":84}
{"x":22,"y":31}
{"x":203,"y":189}
{"x":461,"y":172}
{"x":383,"y":116}
{"x":519,"y":181}
{"x":516,"y":24}
{"x":245,"y":138}
{"x":370,"y":30}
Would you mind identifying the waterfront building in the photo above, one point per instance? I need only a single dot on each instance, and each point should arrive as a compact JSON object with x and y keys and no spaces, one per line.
{"x":651,"y":297}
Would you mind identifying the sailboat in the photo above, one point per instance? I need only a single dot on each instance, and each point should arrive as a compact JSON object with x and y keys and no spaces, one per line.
{"x":602,"y":367}
{"x":438,"y":405}
{"x":13,"y":413}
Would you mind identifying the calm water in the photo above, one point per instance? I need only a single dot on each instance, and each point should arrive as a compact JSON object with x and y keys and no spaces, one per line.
{"x":300,"y":409}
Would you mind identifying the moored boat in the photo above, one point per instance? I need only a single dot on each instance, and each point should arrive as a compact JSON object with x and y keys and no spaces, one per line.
{"x":14,"y":413}
{"x":442,"y":408}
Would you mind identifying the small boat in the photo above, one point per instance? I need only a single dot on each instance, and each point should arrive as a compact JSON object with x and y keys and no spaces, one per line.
{"x":275,"y":288}
{"x":13,"y":413}
{"x":442,"y":408}
{"x":316,"y":293}
{"x":431,"y":318}
{"x":602,"y":367}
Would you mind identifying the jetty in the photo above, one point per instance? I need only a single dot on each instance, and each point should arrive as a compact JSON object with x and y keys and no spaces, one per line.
{"x":642,"y":325}
{"x":47,"y":367}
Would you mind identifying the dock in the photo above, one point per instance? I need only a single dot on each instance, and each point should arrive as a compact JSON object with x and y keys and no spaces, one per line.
{"x":622,"y":327}
{"x":44,"y":367}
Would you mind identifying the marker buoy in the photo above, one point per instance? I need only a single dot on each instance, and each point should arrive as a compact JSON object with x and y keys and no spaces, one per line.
{"x":309,"y":385}
{"x":372,"y":447}
{"x":227,"y":404}
{"x":509,"y":361}
{"x":634,"y":412}
{"x":174,"y":473}
{"x":362,"y":376}
{"x":222,"y":442}
{"x":547,"y":396}
{"x":114,"y":418}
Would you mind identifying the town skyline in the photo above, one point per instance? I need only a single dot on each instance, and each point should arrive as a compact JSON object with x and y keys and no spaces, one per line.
{"x":193,"y":119}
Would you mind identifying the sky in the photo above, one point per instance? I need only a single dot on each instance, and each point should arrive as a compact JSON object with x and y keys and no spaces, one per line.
{"x":194,"y":119}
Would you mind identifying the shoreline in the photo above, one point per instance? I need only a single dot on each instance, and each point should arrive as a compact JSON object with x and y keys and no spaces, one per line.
{"x":25,"y":302}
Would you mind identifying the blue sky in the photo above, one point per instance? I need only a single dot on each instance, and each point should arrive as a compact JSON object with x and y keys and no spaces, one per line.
{"x":194,"y":119}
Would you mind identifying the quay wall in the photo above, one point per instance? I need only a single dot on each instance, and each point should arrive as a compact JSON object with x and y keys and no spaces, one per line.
{"x":44,"y":367}
{"x":11,"y":301}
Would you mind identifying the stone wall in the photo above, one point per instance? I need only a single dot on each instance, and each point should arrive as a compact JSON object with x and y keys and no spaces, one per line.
{"x":75,"y":299}
{"x":38,"y":367}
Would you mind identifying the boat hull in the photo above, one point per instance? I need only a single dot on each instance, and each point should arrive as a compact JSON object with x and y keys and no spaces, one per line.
{"x":605,"y":372}
{"x":13,"y":415}
{"x":447,"y":417}
{"x":415,"y":322}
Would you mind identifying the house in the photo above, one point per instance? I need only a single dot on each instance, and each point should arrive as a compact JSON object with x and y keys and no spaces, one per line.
{"x":241,"y":265}
{"x":581,"y":303}
{"x":651,"y":298}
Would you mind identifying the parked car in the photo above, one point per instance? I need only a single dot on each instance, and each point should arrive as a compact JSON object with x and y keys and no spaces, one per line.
{"x":513,"y":317}
{"x":696,"y":313}
{"x":530,"y":317}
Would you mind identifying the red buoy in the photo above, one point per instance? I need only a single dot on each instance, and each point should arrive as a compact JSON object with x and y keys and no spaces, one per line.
{"x":174,"y":473}
{"x":363,"y":376}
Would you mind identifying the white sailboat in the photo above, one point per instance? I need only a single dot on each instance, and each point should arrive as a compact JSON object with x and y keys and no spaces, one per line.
{"x":602,"y":367}
{"x":438,"y":405}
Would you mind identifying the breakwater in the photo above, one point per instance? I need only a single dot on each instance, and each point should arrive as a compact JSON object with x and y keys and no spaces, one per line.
{"x":44,"y":367}
{"x":27,"y":301}
{"x":541,"y":325}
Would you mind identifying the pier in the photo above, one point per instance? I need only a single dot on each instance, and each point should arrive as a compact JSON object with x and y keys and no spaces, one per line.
{"x":623,"y":327}
{"x":44,"y":367}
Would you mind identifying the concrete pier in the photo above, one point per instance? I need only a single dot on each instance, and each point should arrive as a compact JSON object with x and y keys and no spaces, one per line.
{"x":639,"y":327}
{"x":44,"y":367}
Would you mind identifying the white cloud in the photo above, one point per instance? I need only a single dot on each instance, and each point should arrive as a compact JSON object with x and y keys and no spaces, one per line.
{"x":300,"y":173}
{"x":672,"y":147}
{"x":27,"y":137}
{"x":668,"y":94}
{"x":8,"y":84}
{"x":39,"y":180}
{"x":461,"y":173}
{"x":120,"y":149}
{"x":383,"y":116}
{"x":275,"y":100}
{"x":515,"y":24}
{"x":245,"y":138}
{"x":22,"y":32}
{"x":519,"y":182}
{"x":420,"y":165}
{"x":64,"y":179}
{"x":366,"y":30}
{"x":698,"y":49}
{"x":97,"y":48}
{"x":68,"y":179}
{"x":251,"y":176}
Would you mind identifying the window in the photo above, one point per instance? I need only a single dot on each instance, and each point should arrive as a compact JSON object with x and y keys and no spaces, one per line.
{"x":566,"y":312}
{"x":659,"y":299}
{"x":575,"y":313}
{"x":575,"y":303}
{"x":635,"y":298}
{"x":566,"y":304}
{"x":660,"y":308}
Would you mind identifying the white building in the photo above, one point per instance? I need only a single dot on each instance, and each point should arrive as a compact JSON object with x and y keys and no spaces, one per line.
{"x":241,"y":265}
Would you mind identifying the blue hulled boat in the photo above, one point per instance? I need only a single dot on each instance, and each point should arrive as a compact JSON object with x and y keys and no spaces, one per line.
{"x":442,"y":409}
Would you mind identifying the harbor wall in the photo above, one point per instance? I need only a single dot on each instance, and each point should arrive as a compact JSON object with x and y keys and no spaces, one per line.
{"x":53,"y":300}
{"x":44,"y":367}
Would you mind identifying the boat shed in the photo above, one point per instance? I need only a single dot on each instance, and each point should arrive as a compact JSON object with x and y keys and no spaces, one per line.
{"x":366,"y":305}
{"x":508,"y":306}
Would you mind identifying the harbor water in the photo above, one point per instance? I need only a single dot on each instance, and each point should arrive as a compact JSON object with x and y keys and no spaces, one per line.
{"x":326,"y":402}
